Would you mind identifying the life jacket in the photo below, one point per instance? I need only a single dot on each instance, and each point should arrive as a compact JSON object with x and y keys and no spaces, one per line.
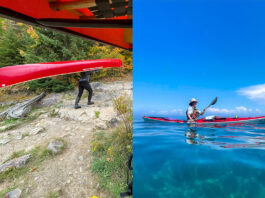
{"x":195,"y":115}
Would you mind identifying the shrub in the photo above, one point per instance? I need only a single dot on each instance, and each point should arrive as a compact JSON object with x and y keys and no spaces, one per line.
{"x":111,"y":150}
{"x":49,"y":85}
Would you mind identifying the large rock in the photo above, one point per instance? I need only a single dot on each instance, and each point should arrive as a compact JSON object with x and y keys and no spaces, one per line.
{"x":14,"y":193}
{"x":55,"y":146}
{"x":101,"y":97}
{"x":15,"y":163}
{"x":114,"y":122}
{"x":21,"y":109}
{"x":50,"y":100}
{"x":100,"y":125}
{"x":97,"y":86}
{"x":4,"y":141}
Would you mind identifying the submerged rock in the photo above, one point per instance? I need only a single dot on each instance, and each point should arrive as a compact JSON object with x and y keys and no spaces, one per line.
{"x":14,"y":193}
{"x":15,"y":163}
{"x":55,"y":146}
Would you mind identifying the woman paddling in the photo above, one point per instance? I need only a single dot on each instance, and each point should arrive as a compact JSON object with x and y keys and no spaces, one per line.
{"x":192,"y":112}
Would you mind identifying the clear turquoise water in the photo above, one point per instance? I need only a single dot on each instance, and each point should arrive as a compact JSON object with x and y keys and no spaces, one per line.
{"x":174,"y":160}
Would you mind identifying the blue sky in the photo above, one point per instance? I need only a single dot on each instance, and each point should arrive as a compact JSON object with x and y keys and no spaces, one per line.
{"x":200,"y":49}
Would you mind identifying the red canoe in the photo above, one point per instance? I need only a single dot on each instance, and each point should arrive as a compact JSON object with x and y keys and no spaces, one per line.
{"x":21,"y":73}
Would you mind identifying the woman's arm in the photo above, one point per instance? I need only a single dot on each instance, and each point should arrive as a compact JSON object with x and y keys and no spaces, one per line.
{"x":203,"y":111}
{"x":190,"y":118}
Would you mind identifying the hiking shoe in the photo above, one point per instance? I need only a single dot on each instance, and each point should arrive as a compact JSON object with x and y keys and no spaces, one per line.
{"x":77,"y":107}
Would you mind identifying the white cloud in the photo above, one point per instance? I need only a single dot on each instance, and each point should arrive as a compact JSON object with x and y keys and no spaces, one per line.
{"x":168,"y":112}
{"x":163,"y":112}
{"x":256,"y":92}
{"x":216,"y":110}
{"x":257,"y":110}
{"x":177,"y":111}
{"x":241,"y":108}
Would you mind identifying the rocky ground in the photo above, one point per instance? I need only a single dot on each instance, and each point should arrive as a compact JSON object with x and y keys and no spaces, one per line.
{"x":67,"y":172}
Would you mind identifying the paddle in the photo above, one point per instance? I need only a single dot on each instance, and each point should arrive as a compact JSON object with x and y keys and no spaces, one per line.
{"x":212,"y":103}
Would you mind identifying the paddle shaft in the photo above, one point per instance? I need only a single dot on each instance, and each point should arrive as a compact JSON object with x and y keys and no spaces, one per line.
{"x":212,"y":103}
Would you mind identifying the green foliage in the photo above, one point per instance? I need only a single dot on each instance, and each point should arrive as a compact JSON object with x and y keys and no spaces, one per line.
{"x":50,"y":46}
{"x":112,"y":150}
{"x":14,"y":123}
{"x":55,"y":194}
{"x":25,"y":135}
{"x":4,"y":107}
{"x":16,"y":154}
{"x":97,"y":113}
{"x":9,"y":121}
{"x":123,"y":106}
{"x":49,"y":85}
{"x":11,"y":44}
{"x":21,"y":44}
{"x":53,"y":113}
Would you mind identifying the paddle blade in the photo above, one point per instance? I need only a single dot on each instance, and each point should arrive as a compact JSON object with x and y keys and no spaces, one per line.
{"x":214,"y":101}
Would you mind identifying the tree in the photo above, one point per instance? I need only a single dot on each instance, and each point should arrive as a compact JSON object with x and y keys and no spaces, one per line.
{"x":11,"y":44}
{"x":22,"y":44}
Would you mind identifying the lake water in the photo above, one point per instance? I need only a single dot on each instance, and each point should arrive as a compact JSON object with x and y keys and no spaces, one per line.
{"x":174,"y":160}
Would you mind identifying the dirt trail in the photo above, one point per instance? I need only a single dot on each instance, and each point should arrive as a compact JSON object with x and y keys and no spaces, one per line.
{"x":67,"y":172}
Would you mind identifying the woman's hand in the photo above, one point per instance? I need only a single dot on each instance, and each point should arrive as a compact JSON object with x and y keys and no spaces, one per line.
{"x":203,"y":111}
{"x":190,"y":120}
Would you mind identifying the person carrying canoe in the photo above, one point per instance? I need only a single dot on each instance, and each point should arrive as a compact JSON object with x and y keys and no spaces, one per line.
{"x":84,"y":84}
{"x":192,"y":112}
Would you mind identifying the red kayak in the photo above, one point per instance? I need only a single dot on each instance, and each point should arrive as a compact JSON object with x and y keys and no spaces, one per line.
{"x":21,"y":73}
{"x":216,"y":120}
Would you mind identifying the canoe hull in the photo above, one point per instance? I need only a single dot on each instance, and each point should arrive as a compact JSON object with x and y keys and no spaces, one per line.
{"x":21,"y":73}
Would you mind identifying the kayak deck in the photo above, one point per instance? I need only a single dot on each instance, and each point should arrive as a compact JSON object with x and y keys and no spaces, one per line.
{"x":217,"y":120}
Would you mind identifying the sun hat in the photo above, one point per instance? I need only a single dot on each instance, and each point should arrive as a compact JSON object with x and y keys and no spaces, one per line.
{"x":193,"y":100}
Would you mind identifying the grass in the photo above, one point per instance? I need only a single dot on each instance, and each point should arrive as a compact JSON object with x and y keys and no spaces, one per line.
{"x":53,"y":113}
{"x":25,"y":135}
{"x":5,"y":191}
{"x":59,"y":104}
{"x":16,"y":155}
{"x":111,"y":151}
{"x":9,"y":121}
{"x":6,"y":94}
{"x":39,"y":154}
{"x":97,"y":113}
{"x":14,"y":122}
{"x":4,"y":107}
{"x":68,"y":95}
{"x":53,"y":194}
